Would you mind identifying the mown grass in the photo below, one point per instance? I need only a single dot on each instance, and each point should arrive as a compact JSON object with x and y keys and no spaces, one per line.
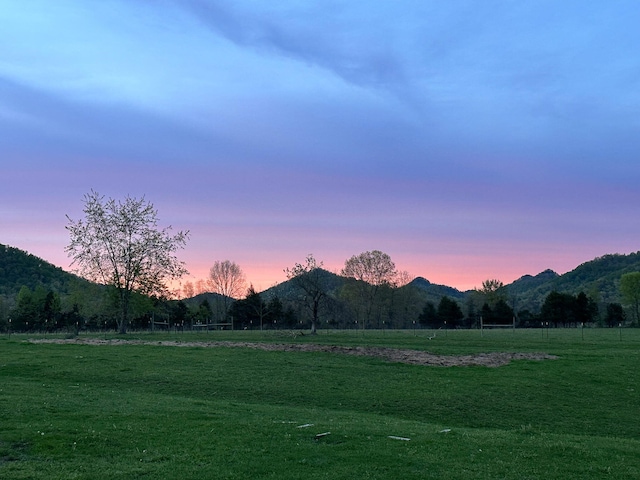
{"x":146,"y":411}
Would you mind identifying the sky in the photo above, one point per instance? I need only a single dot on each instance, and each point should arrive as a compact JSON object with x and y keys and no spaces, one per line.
{"x":468,"y":140}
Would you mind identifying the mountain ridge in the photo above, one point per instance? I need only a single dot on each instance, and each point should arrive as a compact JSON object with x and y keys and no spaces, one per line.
{"x":598,"y":277}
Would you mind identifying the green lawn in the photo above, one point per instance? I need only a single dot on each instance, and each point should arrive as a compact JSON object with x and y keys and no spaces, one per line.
{"x":148,"y":411}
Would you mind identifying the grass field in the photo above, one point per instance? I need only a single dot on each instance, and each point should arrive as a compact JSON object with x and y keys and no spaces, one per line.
{"x":150,"y":411}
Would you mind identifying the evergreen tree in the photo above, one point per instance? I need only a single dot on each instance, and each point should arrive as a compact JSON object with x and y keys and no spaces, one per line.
{"x":502,"y":313}
{"x":449,"y":312}
{"x":429,"y":316}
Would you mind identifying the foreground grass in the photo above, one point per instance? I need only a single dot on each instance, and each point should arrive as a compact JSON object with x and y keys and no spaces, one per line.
{"x":133,"y":411}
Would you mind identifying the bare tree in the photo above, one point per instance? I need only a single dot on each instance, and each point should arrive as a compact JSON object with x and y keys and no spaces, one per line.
{"x":188,"y":290}
{"x":227,"y":279}
{"x":312,"y":280}
{"x":201,"y":286}
{"x":119,"y":244}
{"x":403,"y":278}
{"x":373,"y":270}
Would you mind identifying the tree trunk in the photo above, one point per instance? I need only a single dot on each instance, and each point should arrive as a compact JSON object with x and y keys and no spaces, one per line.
{"x":314,"y":320}
{"x":124,"y":303}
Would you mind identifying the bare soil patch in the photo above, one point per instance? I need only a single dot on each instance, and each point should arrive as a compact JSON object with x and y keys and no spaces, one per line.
{"x":413,"y":357}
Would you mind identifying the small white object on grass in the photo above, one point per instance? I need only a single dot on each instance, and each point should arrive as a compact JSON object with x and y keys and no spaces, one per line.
{"x":320,"y":435}
{"x":404,"y":439}
{"x":446,"y":430}
{"x":306,"y":425}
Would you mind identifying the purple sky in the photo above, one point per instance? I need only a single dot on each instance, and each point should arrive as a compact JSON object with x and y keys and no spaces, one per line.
{"x":468,"y":140}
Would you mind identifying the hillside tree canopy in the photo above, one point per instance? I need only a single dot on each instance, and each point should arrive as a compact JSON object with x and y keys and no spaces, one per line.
{"x":119,"y":243}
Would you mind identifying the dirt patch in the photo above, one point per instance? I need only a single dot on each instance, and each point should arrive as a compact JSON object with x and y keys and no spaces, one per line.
{"x":413,"y":357}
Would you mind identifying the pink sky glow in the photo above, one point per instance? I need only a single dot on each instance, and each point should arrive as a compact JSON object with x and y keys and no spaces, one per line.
{"x":466,"y":141}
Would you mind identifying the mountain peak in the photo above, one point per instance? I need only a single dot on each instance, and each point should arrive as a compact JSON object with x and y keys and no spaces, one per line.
{"x":420,"y":281}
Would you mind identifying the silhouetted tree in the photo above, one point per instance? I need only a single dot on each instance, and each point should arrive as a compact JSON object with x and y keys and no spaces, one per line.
{"x":311,"y":279}
{"x":615,"y":315}
{"x":180,"y":313}
{"x":449,"y":312}
{"x":586,"y":309}
{"x":559,"y":308}
{"x":250,"y":310}
{"x":204,"y":313}
{"x":275,"y":312}
{"x":119,"y":244}
{"x":227,"y":280}
{"x":502,"y":313}
{"x":429,"y":316}
{"x":374,"y":271}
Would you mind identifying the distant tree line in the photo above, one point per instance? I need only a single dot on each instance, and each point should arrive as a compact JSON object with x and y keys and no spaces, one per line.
{"x":558,"y":310}
{"x":119,"y":247}
{"x":315,"y":299}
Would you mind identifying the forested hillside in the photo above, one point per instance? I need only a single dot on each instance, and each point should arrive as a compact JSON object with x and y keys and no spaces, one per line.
{"x":598,"y":278}
{"x":37,"y":294}
{"x":20,"y":269}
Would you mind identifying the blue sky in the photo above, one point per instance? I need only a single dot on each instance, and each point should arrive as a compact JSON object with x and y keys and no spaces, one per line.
{"x":468,"y":140}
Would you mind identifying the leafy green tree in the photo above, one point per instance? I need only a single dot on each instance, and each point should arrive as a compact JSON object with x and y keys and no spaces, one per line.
{"x":36,"y":310}
{"x":559,"y":308}
{"x":51,"y":310}
{"x":502,"y":313}
{"x":290,"y":319}
{"x":119,"y":244}
{"x":257,"y":308}
{"x":527,"y":319}
{"x":472,"y":314}
{"x":276,"y":312}
{"x":250,"y":310}
{"x":630,"y":290}
{"x":615,"y":315}
{"x":90,"y":302}
{"x":486,"y":313}
{"x":25,"y":311}
{"x":429,"y":316}
{"x":180,"y":313}
{"x":586,"y":309}
{"x":4,"y":312}
{"x":204,"y":312}
{"x":449,"y":312}
{"x":72,"y":319}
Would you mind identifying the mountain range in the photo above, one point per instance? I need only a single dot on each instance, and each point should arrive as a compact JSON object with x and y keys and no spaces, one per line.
{"x":598,"y":278}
